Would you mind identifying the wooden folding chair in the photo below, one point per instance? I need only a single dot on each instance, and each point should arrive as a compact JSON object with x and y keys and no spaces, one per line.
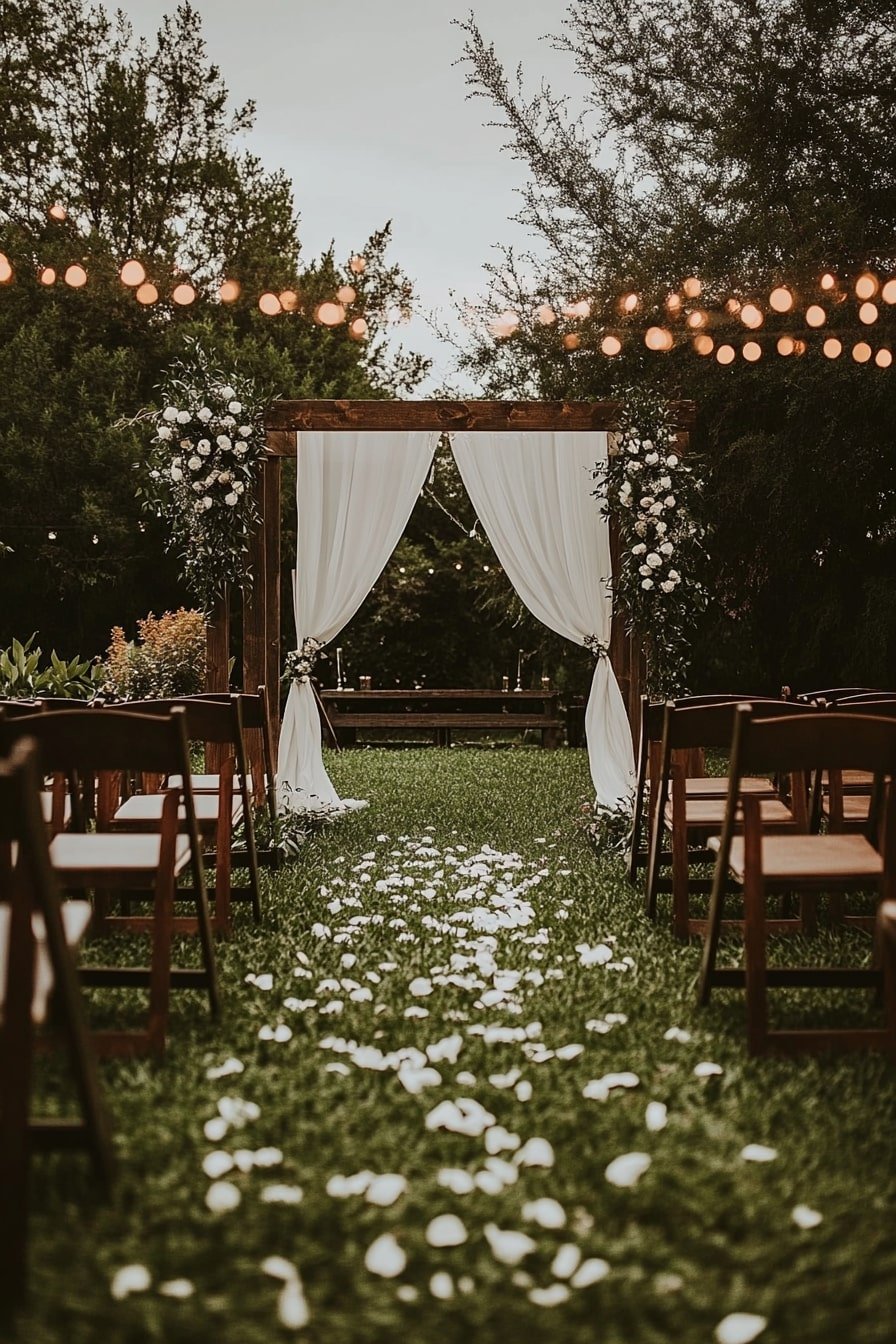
{"x":689,"y":818}
{"x":843,"y":797}
{"x":262,"y":779}
{"x":221,"y":800}
{"x":762,"y":864}
{"x":112,"y":742}
{"x":37,"y":937}
{"x":697,"y":783}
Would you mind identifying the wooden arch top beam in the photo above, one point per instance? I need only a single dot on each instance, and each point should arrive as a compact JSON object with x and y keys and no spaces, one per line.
{"x":283,"y":418}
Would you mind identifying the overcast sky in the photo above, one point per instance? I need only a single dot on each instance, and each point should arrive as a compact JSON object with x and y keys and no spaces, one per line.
{"x":363,"y":104}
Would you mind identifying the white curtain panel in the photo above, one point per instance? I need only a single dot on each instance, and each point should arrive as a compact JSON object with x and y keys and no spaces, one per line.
{"x":532,"y":494}
{"x":354,"y":493}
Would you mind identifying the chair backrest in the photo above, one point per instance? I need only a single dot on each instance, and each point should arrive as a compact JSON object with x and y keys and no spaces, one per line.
{"x":880,"y":702}
{"x":712,"y":726}
{"x":206,"y":720}
{"x":810,"y":741}
{"x":108,"y":739}
{"x":834,"y":693}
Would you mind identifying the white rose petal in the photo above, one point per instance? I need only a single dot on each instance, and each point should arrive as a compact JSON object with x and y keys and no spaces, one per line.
{"x":292,"y":1305}
{"x":217,"y":1164}
{"x":282,"y":1194}
{"x":446,"y":1230}
{"x":215,"y":1129}
{"x":235,"y":407}
{"x":499,"y":1140}
{"x":194,"y":463}
{"x":420,"y":987}
{"x":385,"y":1257}
{"x":590,"y":1271}
{"x":184,"y":417}
{"x":441,"y":1285}
{"x":279,"y":1268}
{"x":169,"y":413}
{"x":130,"y":1279}
{"x":758,"y":1152}
{"x":222,"y":1196}
{"x":627,"y":1170}
{"x":386,"y":1189}
{"x":545,"y":1212}
{"x":740,"y":1327}
{"x":509,"y":1247}
{"x":231,"y":499}
{"x":656,"y":1117}
{"x":456,"y":1180}
{"x":552,"y":1296}
{"x":566,"y":1261}
{"x":706,"y":1069}
{"x":805,"y":1217}
{"x":535,"y":1153}
{"x":180,"y":1289}
{"x":594,"y":956}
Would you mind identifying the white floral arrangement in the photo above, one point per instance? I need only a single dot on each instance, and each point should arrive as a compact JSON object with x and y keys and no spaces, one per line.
{"x":652,"y":493}
{"x":299,"y":663}
{"x":207,"y":445}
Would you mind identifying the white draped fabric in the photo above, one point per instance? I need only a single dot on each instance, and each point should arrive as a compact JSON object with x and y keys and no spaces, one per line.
{"x":532,"y":494}
{"x":355,"y":492}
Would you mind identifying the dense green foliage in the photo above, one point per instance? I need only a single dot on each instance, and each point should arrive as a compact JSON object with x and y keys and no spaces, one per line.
{"x":747,"y":143}
{"x":137,"y":142}
{"x":704,"y":1232}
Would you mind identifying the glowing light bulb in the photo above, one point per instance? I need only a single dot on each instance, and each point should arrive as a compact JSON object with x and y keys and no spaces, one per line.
{"x":868,"y":313}
{"x":827,"y":281}
{"x":888,"y":293}
{"x":816,"y":315}
{"x":147,"y":294}
{"x":725,"y":354}
{"x":57,"y":212}
{"x":752,"y":351}
{"x":732,"y":306}
{"x":785,"y":345}
{"x":458,"y":565}
{"x":658,"y":338}
{"x":229,"y":291}
{"x":132,"y":274}
{"x":884,"y":358}
{"x":76,"y":276}
{"x":861,"y":352}
{"x":704,"y":345}
{"x":696,"y":319}
{"x":832,"y":348}
{"x":358,"y":329}
{"x":673,"y":303}
{"x":330,"y":314}
{"x":358,"y":264}
{"x":5,"y":270}
{"x":751,"y":316}
{"x":345,"y":294}
{"x":572,"y":340}
{"x":289,"y":300}
{"x":866,"y":286}
{"x":629,"y":303}
{"x":692,"y":287}
{"x":610,"y":345}
{"x":269,"y":304}
{"x":545,"y":315}
{"x":46,"y":275}
{"x":51,"y":536}
{"x":582,"y":308}
{"x":183,"y":295}
{"x":781,"y":299}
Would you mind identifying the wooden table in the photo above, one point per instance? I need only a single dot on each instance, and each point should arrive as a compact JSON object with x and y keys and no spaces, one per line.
{"x":443,"y":711}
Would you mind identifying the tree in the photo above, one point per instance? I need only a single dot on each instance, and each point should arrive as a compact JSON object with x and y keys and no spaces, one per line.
{"x":746,"y":143}
{"x":137,"y":142}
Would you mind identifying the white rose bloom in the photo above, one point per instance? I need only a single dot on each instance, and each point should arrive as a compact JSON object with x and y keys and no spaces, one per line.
{"x":635,"y":466}
{"x":641,"y":528}
{"x":644,"y":569}
{"x":241,"y":452}
{"x":654,"y":561}
{"x":227,"y":392}
{"x":665,"y":482}
{"x":207,"y":502}
{"x":245,"y":431}
{"x":194,"y":463}
{"x":239,"y":488}
{"x":651,"y":459}
{"x":186,"y":444}
{"x":204,"y":414}
{"x":661,"y":529}
{"x":231,"y":499}
{"x":223,"y":442}
{"x":223,"y":476}
{"x":672,"y":460}
{"x":656,"y":509}
{"x":184,"y":417}
{"x":235,"y":407}
{"x":205,"y":451}
{"x":647,"y":583}
{"x":674,"y":575}
{"x":639,"y":549}
{"x":228,"y":421}
{"x":648,"y":444}
{"x":203,"y":443}
{"x":670,"y":501}
{"x":176,"y":474}
{"x":169,"y":413}
{"x":163,"y":433}
{"x":667,"y":587}
{"x":667,"y":548}
{"x":198,"y":487}
{"x":240,"y":446}
{"x":646,"y":501}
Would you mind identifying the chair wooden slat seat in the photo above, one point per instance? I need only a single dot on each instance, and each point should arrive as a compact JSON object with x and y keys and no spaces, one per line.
{"x":75,"y":916}
{"x":145,"y":809}
{"x":78,"y":860}
{"x":709,"y":812}
{"x":808,"y":858}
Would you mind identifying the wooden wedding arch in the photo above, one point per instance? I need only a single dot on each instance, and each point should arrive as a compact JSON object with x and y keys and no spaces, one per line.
{"x":284,"y":420}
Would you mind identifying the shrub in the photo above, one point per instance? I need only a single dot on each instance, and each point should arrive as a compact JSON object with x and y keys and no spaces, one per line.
{"x":167,"y":657}
{"x":22,"y":677}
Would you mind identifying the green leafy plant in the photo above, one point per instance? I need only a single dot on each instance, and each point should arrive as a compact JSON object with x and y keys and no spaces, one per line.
{"x":22,"y":677}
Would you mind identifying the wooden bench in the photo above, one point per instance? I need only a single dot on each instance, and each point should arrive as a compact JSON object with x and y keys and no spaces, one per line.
{"x":443,"y":712}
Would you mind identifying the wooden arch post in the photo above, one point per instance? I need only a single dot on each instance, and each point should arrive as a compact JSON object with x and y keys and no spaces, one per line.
{"x":285,"y":420}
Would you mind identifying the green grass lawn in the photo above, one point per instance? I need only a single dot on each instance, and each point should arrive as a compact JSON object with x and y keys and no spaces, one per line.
{"x":379,"y":912}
